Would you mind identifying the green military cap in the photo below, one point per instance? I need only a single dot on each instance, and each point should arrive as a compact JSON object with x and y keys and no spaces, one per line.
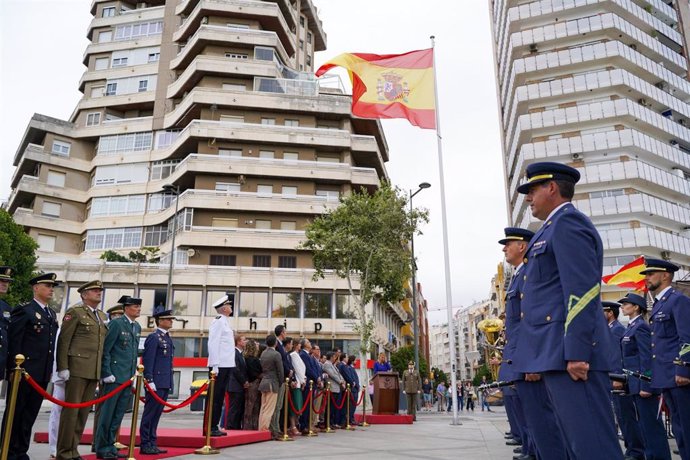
{"x":46,"y":278}
{"x":116,"y":310}
{"x":95,"y":284}
{"x":6,"y":273}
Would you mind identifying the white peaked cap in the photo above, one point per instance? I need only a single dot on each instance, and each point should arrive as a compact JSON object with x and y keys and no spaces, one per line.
{"x":218,"y":303}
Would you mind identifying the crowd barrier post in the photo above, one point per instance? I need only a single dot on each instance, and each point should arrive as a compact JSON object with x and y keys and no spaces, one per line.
{"x":364,"y":409}
{"x":16,"y":378}
{"x":135,"y":412}
{"x":348,"y":394}
{"x":207,"y":449}
{"x":285,"y":436}
{"x":328,"y":428}
{"x":311,"y":410}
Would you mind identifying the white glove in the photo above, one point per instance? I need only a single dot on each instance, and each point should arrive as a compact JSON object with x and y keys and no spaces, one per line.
{"x":215,"y":369}
{"x":109,"y":379}
{"x":64,"y":375}
{"x":152,"y":386}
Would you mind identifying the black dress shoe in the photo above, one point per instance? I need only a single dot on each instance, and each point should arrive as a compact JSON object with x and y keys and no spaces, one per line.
{"x":517,"y":450}
{"x":218,"y":433}
{"x":524,"y":457}
{"x":161,"y":451}
{"x":508,"y":436}
{"x":508,"y":433}
{"x":513,"y":442}
{"x":148,"y":451}
{"x":107,"y":456}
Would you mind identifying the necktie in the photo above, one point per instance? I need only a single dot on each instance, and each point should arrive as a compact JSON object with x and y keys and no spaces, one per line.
{"x":47,"y":312}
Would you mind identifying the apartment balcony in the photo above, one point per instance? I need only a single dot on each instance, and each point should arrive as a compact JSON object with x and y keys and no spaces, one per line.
{"x":151,"y":3}
{"x":637,"y":206}
{"x":120,"y":45}
{"x":310,"y":10}
{"x":143,"y":99}
{"x":126,"y":17}
{"x":208,"y":34}
{"x":117,"y":72}
{"x":217,"y":65}
{"x":35,"y":155}
{"x":111,"y":127}
{"x":29,"y":187}
{"x":267,"y":14}
{"x":27,"y":218}
{"x":249,"y":238}
{"x":645,"y":240}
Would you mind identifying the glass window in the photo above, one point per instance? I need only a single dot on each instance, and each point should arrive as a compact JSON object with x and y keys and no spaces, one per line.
{"x":288,"y":225}
{"x":268,"y":121}
{"x":234,"y":86}
{"x":120,"y":62}
{"x":154,"y":57}
{"x":156,"y":235}
{"x":229,"y":153}
{"x":253,"y":304}
{"x":93,"y":119}
{"x":266,"y":154}
{"x":61,"y":148}
{"x":51,"y":209}
{"x":223,"y":259}
{"x":112,"y":294}
{"x":291,"y":122}
{"x":263,"y":224}
{"x":287,"y":262}
{"x":187,"y":302}
{"x":105,"y":37}
{"x":46,"y":242}
{"x":151,"y":297}
{"x":211,"y":297}
{"x":317,"y":305}
{"x":175,"y":393}
{"x":236,"y":55}
{"x":264,"y":190}
{"x":56,"y":178}
{"x":187,"y":347}
{"x":290,"y":156}
{"x":143,"y":85}
{"x":162,"y":169}
{"x":286,"y":305}
{"x":101,"y":63}
{"x":111,"y":89}
{"x":261,"y":261}
{"x":289,"y":190}
{"x":345,"y":306}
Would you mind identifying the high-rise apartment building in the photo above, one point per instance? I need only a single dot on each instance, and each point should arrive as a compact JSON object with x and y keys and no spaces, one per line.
{"x":601,"y":85}
{"x":215,"y":103}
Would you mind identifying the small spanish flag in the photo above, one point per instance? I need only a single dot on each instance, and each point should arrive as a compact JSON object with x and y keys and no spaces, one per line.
{"x":391,"y":85}
{"x":628,"y":276}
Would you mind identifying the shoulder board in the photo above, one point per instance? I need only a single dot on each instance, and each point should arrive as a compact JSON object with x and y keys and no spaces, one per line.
{"x":218,"y":317}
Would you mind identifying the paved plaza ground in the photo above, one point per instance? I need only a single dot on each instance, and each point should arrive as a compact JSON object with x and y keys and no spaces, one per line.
{"x":432,"y":437}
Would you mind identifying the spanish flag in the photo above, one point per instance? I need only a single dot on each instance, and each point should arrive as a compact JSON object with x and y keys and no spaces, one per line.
{"x":391,"y":85}
{"x":628,"y":276}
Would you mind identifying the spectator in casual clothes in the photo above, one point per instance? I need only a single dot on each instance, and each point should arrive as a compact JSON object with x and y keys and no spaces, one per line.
{"x":252,"y":401}
{"x":337,"y":387}
{"x":426,"y":391}
{"x":471,"y":396}
{"x":271,"y":382}
{"x":441,"y":395}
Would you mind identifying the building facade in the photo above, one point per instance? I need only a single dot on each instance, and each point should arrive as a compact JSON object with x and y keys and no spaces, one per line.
{"x":202,"y":132}
{"x":601,"y":85}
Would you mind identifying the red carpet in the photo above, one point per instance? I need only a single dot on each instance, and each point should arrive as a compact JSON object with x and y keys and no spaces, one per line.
{"x":181,"y":437}
{"x":172,"y":452}
{"x":386,"y":419}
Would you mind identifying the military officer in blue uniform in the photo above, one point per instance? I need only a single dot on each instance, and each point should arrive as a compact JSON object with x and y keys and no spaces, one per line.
{"x":563,"y":335}
{"x":623,"y":404}
{"x":670,"y":322}
{"x":118,"y":365}
{"x":529,"y":402}
{"x":5,"y":312}
{"x":159,"y":351}
{"x":636,"y":346}
{"x":32,"y":332}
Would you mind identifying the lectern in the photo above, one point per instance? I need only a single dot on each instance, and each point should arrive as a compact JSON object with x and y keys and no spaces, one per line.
{"x":386,"y":393}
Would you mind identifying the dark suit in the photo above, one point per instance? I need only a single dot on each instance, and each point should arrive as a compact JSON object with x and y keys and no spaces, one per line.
{"x":238,"y":377}
{"x":159,"y":351}
{"x":32,"y":333}
{"x":636,"y":346}
{"x":5,"y":313}
{"x":563,"y":321}
{"x":287,"y":369}
{"x":313,"y":374}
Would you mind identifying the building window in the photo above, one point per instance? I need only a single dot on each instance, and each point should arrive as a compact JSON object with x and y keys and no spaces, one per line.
{"x":108,"y":12}
{"x":231,"y":119}
{"x":211,"y":298}
{"x":291,"y":122}
{"x":113,"y":238}
{"x":327,"y":159}
{"x":156,"y":235}
{"x":309,"y":61}
{"x":287,"y":262}
{"x":253,"y":304}
{"x":236,"y":55}
{"x":162,"y":169}
{"x":286,"y":305}
{"x":105,"y":37}
{"x":229,"y":153}
{"x":126,"y":143}
{"x":125,"y":205}
{"x":268,"y":121}
{"x":234,"y":87}
{"x":46,"y":243}
{"x":144,"y":29}
{"x":345,"y":306}
{"x":264,"y":190}
{"x":261,"y":261}
{"x":301,"y":44}
{"x":607,"y":193}
{"x":224,"y":222}
{"x":56,"y":178}
{"x":120,"y":62}
{"x":159,"y":201}
{"x":301,"y":21}
{"x":143,"y":85}
{"x":330,"y":195}
{"x":154,"y":57}
{"x":187,"y":302}
{"x":234,"y":25}
{"x":289,"y":190}
{"x":263,"y":224}
{"x":290,"y":156}
{"x":61,"y":148}
{"x":101,"y":63}
{"x":288,"y":225}
{"x":309,"y":37}
{"x":267,"y":154}
{"x":111,"y":89}
{"x":317,"y":305}
{"x":222,"y":259}
{"x":93,"y":119}
{"x":97,"y":91}
{"x":227,"y":187}
{"x":51,"y":209}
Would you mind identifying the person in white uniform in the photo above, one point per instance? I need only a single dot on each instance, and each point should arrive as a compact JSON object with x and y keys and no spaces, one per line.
{"x":221,"y":356}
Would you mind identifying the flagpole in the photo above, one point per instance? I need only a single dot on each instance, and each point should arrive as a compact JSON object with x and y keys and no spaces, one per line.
{"x":446,"y":261}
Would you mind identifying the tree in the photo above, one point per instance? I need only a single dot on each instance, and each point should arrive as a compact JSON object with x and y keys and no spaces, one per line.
{"x":481,"y":372}
{"x":404,"y":355}
{"x":439,"y":375}
{"x":364,"y":241}
{"x":18,"y":250}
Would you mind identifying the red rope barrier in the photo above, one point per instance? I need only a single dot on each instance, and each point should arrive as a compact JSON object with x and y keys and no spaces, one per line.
{"x":335,"y":404}
{"x":306,"y":403}
{"x":352,"y":398}
{"x":324,"y":401}
{"x":70,"y":405}
{"x":184,"y":403}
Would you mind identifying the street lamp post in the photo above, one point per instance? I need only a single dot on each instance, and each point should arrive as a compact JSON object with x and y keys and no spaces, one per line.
{"x":175,"y":190}
{"x":415,"y":332}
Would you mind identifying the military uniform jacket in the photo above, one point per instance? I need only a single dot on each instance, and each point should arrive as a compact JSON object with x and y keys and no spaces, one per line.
{"x":561,"y":307}
{"x":159,"y":351}
{"x":636,"y":346}
{"x":5,"y":313}
{"x":507,"y":371}
{"x":120,"y":349}
{"x":33,"y":333}
{"x":80,"y":345}
{"x":221,"y":343}
{"x":670,"y":321}
{"x":412,"y":383}
{"x":617,"y":331}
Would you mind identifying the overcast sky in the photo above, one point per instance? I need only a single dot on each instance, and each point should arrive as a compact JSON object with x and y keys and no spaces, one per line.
{"x":43,"y":41}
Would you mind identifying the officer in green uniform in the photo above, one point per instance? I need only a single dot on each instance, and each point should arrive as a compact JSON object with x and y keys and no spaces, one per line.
{"x":79,"y":353}
{"x":119,"y":365}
